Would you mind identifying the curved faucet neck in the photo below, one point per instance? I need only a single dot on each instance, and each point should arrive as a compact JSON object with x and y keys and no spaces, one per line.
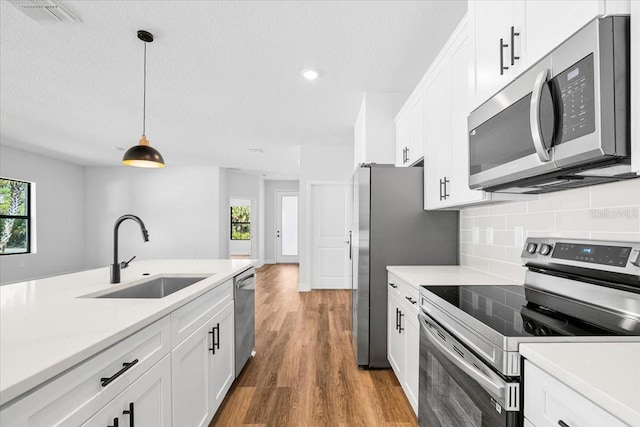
{"x":115,"y":267}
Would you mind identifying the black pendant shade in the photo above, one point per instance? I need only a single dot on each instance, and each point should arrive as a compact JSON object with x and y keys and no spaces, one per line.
{"x":143,"y":155}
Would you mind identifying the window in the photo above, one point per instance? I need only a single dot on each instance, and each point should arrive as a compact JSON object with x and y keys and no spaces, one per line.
{"x":240,"y":223}
{"x":15,"y":217}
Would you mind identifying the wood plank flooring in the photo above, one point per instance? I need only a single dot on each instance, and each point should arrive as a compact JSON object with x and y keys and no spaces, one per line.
{"x":304,"y":371}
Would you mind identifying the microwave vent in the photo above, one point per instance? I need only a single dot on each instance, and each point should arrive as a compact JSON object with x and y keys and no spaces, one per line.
{"x":45,"y":11}
{"x":614,"y":170}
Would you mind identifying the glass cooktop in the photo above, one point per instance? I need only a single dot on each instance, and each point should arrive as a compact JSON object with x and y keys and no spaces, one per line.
{"x":507,"y":310}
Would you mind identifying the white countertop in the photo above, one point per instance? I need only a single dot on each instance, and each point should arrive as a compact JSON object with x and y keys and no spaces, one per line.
{"x":433,"y":275}
{"x":45,"y":328}
{"x":608,"y":374}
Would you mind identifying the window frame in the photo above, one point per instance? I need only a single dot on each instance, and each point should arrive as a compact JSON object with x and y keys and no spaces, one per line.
{"x":27,"y":217}
{"x":248,"y":223}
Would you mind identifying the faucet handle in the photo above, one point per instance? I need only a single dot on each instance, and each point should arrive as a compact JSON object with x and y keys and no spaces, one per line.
{"x":125,"y":264}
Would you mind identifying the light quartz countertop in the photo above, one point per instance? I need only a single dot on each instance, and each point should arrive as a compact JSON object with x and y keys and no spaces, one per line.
{"x":608,"y":374}
{"x":433,"y":275}
{"x":47,"y":326}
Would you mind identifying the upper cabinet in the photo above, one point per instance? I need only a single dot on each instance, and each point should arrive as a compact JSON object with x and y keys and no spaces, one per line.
{"x":509,"y":36}
{"x":446,"y":141}
{"x":374,"y":134}
{"x":410,"y":128}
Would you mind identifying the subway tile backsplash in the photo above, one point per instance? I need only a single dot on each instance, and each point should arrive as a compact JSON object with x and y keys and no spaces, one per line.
{"x":491,"y":237}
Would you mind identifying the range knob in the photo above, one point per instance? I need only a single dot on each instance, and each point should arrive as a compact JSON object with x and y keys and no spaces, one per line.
{"x":530,"y":327}
{"x":531,"y":248}
{"x":545,"y":249}
{"x":543,"y":331}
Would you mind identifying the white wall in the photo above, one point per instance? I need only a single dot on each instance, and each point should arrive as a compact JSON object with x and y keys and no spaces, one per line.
{"x":607,"y":212}
{"x":318,"y":163}
{"x":375,"y":130}
{"x":60,"y":195}
{"x":242,"y":186}
{"x":270,"y":207}
{"x":179,"y":206}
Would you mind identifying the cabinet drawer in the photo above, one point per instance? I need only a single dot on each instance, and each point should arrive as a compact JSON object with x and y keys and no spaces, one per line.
{"x":411,"y":297}
{"x":394,"y":284}
{"x":188,"y":318}
{"x":149,"y":397}
{"x":74,"y":396}
{"x":548,"y":401}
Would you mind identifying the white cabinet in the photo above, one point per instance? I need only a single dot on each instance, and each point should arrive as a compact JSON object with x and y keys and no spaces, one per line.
{"x":203,"y":369}
{"x":411,"y":348}
{"x":175,"y":371}
{"x":490,"y":25}
{"x":410,"y":128}
{"x":394,"y":345}
{"x":447,"y":142}
{"x":403,"y":339}
{"x":145,"y":403}
{"x":548,"y":402}
{"x":72,"y":398}
{"x":374,"y":134}
{"x":509,"y":36}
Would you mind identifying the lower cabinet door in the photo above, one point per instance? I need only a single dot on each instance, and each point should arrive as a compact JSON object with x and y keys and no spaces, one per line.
{"x":190,"y":372}
{"x":145,"y":403}
{"x":410,"y":382}
{"x":394,"y":343}
{"x":222,"y":360}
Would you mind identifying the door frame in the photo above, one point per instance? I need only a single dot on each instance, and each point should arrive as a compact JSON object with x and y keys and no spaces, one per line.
{"x":309,"y":220}
{"x":277,"y":217}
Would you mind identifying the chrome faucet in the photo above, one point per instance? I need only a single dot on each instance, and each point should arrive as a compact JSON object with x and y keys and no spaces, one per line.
{"x":116,"y":266}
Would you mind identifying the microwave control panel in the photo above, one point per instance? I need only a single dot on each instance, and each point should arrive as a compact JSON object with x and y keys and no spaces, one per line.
{"x":575,"y":86}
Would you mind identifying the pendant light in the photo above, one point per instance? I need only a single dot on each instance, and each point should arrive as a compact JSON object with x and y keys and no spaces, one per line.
{"x":143,"y":155}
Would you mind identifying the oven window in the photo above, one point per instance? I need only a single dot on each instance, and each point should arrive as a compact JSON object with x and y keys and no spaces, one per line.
{"x":448,"y":401}
{"x":449,"y":397}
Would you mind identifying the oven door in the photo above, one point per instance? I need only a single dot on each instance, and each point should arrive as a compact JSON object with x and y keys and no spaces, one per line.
{"x":457,"y":388}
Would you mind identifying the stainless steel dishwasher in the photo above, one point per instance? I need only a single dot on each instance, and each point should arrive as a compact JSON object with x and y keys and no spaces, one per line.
{"x":244,"y":316}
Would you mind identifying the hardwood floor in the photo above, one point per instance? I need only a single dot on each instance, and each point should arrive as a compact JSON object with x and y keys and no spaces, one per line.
{"x":304,"y":371}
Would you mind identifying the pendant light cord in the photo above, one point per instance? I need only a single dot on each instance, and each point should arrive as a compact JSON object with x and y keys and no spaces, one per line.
{"x":144,"y":92}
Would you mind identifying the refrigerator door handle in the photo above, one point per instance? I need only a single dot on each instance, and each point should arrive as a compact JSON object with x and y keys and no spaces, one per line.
{"x":350,"y":244}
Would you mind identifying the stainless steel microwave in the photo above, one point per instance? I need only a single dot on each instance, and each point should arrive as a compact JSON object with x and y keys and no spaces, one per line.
{"x":564,"y":123}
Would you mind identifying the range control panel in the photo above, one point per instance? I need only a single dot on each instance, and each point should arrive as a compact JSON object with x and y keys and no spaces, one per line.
{"x":622,"y":257}
{"x":597,"y":254}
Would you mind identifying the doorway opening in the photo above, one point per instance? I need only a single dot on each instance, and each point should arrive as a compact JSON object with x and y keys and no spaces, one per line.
{"x":286,"y":227}
{"x":241,"y":228}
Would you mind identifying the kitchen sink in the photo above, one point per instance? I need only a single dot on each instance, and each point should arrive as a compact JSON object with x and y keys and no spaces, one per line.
{"x":158,"y":287}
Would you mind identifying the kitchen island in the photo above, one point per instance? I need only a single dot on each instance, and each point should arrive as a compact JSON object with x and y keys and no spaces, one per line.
{"x":49,"y":325}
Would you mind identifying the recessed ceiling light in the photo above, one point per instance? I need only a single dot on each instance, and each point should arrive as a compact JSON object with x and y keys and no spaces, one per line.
{"x":310,"y":74}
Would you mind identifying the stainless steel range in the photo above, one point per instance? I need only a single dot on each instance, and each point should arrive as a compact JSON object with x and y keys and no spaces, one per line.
{"x":574,"y":291}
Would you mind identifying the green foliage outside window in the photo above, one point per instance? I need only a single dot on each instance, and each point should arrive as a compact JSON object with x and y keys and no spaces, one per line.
{"x":14,"y":217}
{"x":240,"y":223}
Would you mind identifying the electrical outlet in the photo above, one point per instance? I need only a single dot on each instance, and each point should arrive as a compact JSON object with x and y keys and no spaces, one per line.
{"x":476,"y":235}
{"x":489,"y":235}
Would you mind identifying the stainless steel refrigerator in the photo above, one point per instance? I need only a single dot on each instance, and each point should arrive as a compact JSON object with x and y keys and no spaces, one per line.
{"x":390,"y":227}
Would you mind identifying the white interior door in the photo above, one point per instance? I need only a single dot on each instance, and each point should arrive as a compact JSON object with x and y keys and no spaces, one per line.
{"x":330,"y":210}
{"x":286,"y":227}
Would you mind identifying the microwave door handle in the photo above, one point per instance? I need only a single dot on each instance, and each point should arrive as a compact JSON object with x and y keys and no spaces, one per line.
{"x":495,"y":388}
{"x":534,"y":116}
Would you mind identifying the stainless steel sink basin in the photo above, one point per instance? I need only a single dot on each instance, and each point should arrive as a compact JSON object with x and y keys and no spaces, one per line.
{"x":158,"y":287}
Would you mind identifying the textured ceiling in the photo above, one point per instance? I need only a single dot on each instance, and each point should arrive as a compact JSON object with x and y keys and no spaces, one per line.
{"x":223,"y":77}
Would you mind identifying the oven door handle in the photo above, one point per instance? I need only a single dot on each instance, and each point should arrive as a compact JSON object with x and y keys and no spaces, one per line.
{"x":493,"y":384}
